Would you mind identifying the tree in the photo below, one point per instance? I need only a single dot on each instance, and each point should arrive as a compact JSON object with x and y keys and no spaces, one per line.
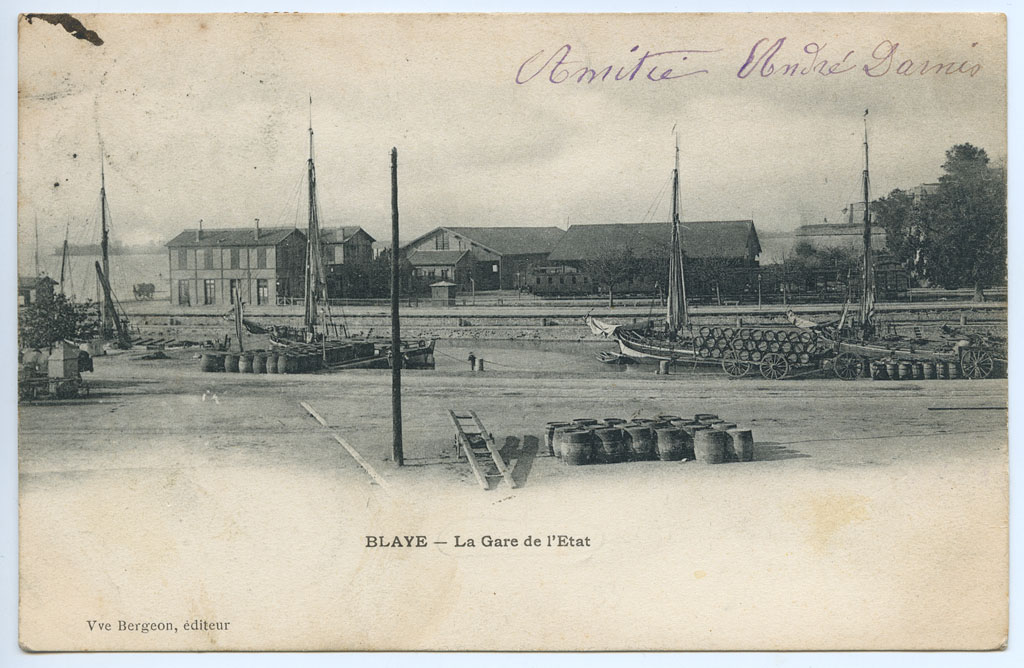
{"x":52,"y":318}
{"x":613,"y":269}
{"x":955,"y":236}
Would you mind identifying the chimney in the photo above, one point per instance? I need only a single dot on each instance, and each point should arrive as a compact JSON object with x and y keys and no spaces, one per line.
{"x":257,"y":236}
{"x":199,"y":232}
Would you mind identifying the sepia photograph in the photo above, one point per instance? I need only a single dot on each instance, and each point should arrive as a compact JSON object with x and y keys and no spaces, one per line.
{"x":512,"y":332}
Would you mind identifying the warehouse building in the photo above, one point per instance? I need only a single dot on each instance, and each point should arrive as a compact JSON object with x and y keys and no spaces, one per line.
{"x":589,"y":256}
{"x":501,"y":257}
{"x":265,"y":265}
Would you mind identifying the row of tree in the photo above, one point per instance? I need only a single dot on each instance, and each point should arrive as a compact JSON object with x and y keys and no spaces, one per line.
{"x":955,"y":236}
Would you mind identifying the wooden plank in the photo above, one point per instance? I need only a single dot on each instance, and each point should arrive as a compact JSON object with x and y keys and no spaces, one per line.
{"x":505,"y":472}
{"x":352,"y":451}
{"x":463,"y":441}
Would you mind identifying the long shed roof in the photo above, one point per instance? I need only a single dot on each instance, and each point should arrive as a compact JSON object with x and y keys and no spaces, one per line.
{"x":505,"y":240}
{"x":269,"y":236}
{"x":703,"y":239}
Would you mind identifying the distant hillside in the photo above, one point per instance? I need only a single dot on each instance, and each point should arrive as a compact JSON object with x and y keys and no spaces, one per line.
{"x":114,"y":249}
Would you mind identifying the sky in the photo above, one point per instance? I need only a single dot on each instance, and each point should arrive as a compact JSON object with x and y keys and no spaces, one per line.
{"x":206,"y":118}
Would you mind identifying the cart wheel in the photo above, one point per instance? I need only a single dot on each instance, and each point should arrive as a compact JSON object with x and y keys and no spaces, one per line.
{"x":774,"y":366}
{"x":847,"y":366}
{"x":976,"y":364}
{"x":733,"y":365}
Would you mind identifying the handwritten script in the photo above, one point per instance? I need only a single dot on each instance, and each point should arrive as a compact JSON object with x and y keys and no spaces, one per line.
{"x":766,"y":58}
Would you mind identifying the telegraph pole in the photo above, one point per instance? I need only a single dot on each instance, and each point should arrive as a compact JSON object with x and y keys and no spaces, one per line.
{"x":396,"y":341}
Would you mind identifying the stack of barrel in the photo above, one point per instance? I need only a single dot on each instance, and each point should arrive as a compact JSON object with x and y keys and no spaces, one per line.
{"x":706,"y":438}
{"x":752,"y":343}
{"x":915,"y":370}
{"x":276,"y":360}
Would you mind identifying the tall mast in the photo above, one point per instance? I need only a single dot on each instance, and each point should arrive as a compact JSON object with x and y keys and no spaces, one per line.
{"x":314,"y":261}
{"x":64,"y":256}
{"x":105,"y":315}
{"x":677,"y":313}
{"x":867,"y":300}
{"x":37,"y":246}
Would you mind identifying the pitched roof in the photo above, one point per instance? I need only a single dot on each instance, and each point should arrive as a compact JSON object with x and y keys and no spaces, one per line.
{"x":435,"y":257}
{"x":706,"y":238}
{"x":236,"y":236}
{"x":342,"y":233}
{"x":504,"y":240}
{"x":34,"y":282}
{"x":513,"y":240}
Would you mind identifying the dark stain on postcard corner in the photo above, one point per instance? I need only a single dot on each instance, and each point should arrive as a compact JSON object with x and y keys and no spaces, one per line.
{"x":69,"y":23}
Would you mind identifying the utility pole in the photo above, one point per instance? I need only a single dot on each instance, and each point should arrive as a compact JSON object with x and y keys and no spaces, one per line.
{"x":396,"y":340}
{"x":37,"y":247}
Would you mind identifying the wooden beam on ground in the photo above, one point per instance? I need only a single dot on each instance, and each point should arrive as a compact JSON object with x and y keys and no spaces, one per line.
{"x":463,"y":440}
{"x":499,"y":462}
{"x":352,"y":451}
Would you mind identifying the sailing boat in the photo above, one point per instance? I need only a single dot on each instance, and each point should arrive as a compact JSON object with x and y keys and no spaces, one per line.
{"x":675,"y":339}
{"x":337,"y":349}
{"x":110,"y":321}
{"x":867,"y":299}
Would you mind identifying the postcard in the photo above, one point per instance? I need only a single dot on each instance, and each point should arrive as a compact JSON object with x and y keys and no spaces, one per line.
{"x":512,"y":332}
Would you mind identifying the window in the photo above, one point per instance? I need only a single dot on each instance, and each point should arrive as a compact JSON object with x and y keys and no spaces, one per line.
{"x":494,"y":268}
{"x":262,"y":290}
{"x":183,"y":296}
{"x":209,"y":291}
{"x":538,"y":280}
{"x":261,"y":258}
{"x":561,"y":280}
{"x":234,"y":259}
{"x":551,"y":280}
{"x":441,"y":241}
{"x":233,"y":288}
{"x":574,"y":280}
{"x":207,"y":258}
{"x":444,"y":274}
{"x":183,"y":260}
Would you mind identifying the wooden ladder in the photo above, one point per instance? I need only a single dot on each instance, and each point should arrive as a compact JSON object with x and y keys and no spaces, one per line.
{"x":472,"y":438}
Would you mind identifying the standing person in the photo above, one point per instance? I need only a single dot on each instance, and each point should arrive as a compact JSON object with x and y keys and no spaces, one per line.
{"x":472,"y":361}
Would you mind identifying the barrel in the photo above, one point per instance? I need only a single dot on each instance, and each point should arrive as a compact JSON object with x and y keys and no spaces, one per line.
{"x":917,"y":371}
{"x":314,"y":362}
{"x":245,"y":363}
{"x":702,"y":417}
{"x":954,"y":369}
{"x":669,"y":444}
{"x":878,"y":371}
{"x":259,"y":362}
{"x":892,"y":370}
{"x":610,"y":446}
{"x":212,"y":361}
{"x":642,"y":442}
{"x":612,"y":422}
{"x":941,"y":371}
{"x":231,"y":362}
{"x":668,"y":418}
{"x":709,"y":446}
{"x":576,"y":446}
{"x":929,"y":370}
{"x":290,"y":365}
{"x":713,"y":423}
{"x":905,"y":371}
{"x":549,"y":437}
{"x":740,"y":447}
{"x":272,"y":359}
{"x":582,"y":422}
{"x":724,"y":426}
